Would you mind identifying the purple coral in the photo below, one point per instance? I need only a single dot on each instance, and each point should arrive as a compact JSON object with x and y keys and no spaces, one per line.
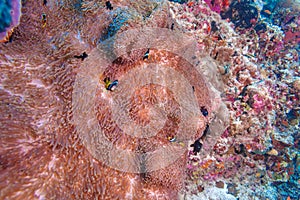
{"x":218,"y":5}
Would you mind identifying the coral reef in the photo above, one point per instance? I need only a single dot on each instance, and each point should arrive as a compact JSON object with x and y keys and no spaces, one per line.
{"x":205,"y":101}
{"x":242,"y":13}
{"x":254,"y":99}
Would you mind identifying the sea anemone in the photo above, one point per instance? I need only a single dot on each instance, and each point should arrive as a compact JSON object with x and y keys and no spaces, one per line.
{"x":64,"y":136}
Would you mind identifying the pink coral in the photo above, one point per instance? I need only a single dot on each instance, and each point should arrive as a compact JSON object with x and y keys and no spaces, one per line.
{"x":218,"y":5}
{"x":259,"y":103}
{"x":291,"y":36}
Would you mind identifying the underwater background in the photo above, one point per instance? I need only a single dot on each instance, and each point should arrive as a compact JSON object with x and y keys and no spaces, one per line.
{"x":149,"y":99}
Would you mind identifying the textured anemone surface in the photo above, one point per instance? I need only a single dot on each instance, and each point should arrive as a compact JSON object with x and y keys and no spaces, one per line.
{"x":64,"y":136}
{"x":157,"y":98}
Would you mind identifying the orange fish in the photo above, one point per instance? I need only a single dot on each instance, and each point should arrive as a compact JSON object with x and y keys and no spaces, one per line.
{"x":208,"y":28}
{"x":206,"y":164}
{"x":268,"y":12}
{"x":226,"y":3}
{"x":248,"y":147}
{"x":190,"y":4}
{"x":44,"y":20}
{"x":288,"y":198}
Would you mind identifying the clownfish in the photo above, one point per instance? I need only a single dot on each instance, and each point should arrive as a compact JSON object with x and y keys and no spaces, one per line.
{"x":146,"y":55}
{"x":44,"y":20}
{"x":268,"y":12}
{"x":111,"y":86}
{"x":172,"y":139}
{"x":197,"y":146}
{"x":82,"y":56}
{"x":204,"y":111}
{"x":108,"y":5}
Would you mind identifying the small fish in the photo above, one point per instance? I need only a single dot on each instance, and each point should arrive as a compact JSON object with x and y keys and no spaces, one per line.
{"x":241,"y":149}
{"x":108,"y":5}
{"x":112,"y":86}
{"x":172,"y":139}
{"x":190,"y":4}
{"x":213,"y":26}
{"x":107,"y":82}
{"x":197,"y":146}
{"x":226,"y":3}
{"x":82,"y":56}
{"x":208,"y":28}
{"x":44,"y":20}
{"x":146,"y":55}
{"x":205,"y":131}
{"x":172,"y":26}
{"x":268,"y":12}
{"x":226,"y":70}
{"x":204,"y":111}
